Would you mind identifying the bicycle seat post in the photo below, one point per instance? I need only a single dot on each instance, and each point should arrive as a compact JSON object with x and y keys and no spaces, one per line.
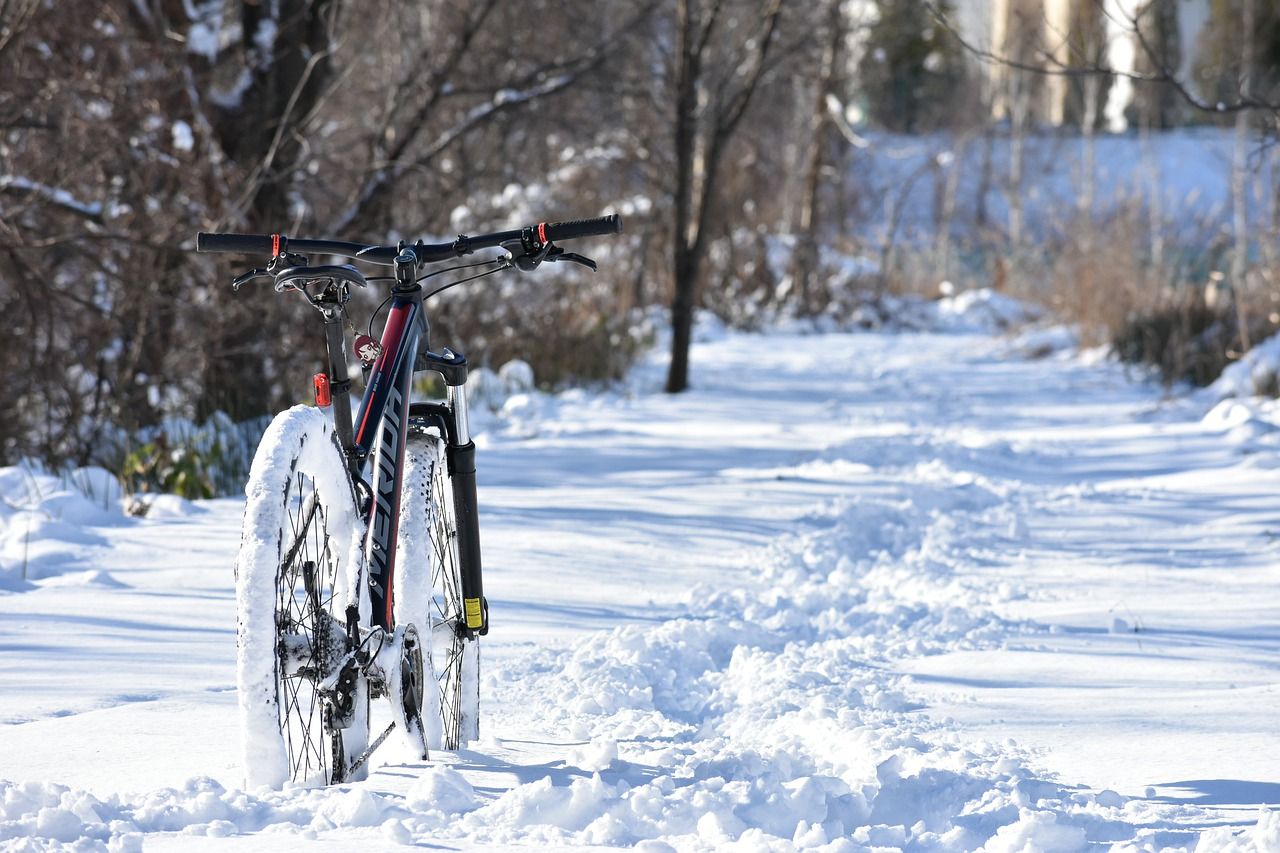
{"x":339,"y":379}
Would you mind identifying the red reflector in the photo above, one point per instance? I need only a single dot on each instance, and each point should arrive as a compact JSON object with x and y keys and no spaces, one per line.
{"x":324,"y":396}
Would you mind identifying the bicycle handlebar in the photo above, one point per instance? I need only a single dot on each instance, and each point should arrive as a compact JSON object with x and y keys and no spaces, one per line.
{"x":277,"y":244}
{"x":601,"y":226}
{"x":242,"y":244}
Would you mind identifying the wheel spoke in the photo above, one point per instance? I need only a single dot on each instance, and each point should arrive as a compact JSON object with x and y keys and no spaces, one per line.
{"x":305,"y":607}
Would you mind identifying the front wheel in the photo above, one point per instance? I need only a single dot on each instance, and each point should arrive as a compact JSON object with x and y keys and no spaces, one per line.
{"x":303,"y":706}
{"x":430,"y":594}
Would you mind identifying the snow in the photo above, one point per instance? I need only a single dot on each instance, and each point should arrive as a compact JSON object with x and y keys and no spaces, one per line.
{"x":202,"y":39}
{"x":53,"y":195}
{"x":1181,"y":176}
{"x":984,"y":310}
{"x":1257,"y":372}
{"x":932,"y":590}
{"x":183,"y":137}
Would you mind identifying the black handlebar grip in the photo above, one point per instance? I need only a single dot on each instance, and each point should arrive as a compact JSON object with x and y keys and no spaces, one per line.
{"x":598,"y":227}
{"x":242,"y":244}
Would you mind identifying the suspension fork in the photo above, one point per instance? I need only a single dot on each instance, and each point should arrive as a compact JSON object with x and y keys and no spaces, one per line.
{"x":461,"y":453}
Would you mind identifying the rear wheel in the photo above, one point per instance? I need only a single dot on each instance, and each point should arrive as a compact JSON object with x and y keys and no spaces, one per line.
{"x":304,"y":708}
{"x":430,"y":594}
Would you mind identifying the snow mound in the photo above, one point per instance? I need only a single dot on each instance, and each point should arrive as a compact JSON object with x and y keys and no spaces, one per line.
{"x":92,"y":577}
{"x":442,"y":790}
{"x":1248,"y":424}
{"x":517,"y":376}
{"x":983,"y":310}
{"x":47,"y":520}
{"x":1256,"y":374}
{"x":169,"y":507}
{"x":1045,"y":341}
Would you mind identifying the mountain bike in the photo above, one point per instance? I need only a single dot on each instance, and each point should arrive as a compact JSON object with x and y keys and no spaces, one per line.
{"x":359,"y":572}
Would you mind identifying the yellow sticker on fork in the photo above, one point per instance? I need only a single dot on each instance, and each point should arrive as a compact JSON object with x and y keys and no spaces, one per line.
{"x":474,"y":617}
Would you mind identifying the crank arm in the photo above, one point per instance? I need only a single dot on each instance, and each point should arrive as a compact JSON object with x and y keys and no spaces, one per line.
{"x":364,"y":756}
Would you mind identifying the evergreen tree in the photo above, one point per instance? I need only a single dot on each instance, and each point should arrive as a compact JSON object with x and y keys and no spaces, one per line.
{"x":911,"y":71}
{"x":1157,"y":105}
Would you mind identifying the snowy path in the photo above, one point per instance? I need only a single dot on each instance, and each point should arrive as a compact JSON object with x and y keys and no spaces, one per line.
{"x":812,"y":600}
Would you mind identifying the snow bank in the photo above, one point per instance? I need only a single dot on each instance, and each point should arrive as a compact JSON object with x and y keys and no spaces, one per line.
{"x":983,"y":310}
{"x":1044,"y":341}
{"x":47,"y":520}
{"x":1257,"y":373}
{"x":1242,"y":403}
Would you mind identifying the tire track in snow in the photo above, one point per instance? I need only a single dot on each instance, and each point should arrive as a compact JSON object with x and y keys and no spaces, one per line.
{"x":772,"y":716}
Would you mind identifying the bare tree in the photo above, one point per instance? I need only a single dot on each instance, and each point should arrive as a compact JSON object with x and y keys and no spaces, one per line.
{"x":1240,"y":203}
{"x":128,"y":127}
{"x":804,"y":266}
{"x":1045,"y":63}
{"x":701,"y":135}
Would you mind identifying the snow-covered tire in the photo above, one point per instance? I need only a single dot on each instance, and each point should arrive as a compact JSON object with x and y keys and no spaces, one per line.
{"x":429,"y":594}
{"x":298,"y":569}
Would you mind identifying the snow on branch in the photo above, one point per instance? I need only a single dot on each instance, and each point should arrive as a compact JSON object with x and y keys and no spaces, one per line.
{"x":503,"y":99}
{"x":18,"y":185}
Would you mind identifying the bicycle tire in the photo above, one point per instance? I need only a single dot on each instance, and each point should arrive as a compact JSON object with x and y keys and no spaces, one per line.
{"x":430,"y":594}
{"x":297,"y":573}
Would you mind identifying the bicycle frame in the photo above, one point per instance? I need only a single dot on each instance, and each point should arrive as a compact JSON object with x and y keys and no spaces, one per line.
{"x":375,"y":448}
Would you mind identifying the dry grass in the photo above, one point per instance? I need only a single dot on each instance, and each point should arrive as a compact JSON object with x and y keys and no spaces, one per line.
{"x":1165,"y":306}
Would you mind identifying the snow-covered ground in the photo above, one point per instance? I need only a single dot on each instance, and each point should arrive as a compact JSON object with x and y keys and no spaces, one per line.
{"x":872,"y":591}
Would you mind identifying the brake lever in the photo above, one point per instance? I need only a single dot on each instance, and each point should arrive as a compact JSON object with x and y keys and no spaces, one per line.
{"x":559,"y":254}
{"x":527,"y":258}
{"x":244,"y":278}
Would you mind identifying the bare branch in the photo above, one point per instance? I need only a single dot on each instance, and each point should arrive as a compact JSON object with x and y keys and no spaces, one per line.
{"x":704,"y":38}
{"x":60,"y":198}
{"x":1053,"y":67}
{"x":436,"y":86}
{"x":502,"y":101}
{"x":15,"y":15}
{"x":752,"y":69}
{"x":255,"y":180}
{"x":1167,"y":75}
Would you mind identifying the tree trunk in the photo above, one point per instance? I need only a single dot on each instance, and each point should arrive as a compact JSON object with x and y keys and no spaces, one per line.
{"x":804,"y":267}
{"x":289,"y":75}
{"x":695,"y":188}
{"x":684,"y":271}
{"x":681,"y":322}
{"x":1239,"y":196}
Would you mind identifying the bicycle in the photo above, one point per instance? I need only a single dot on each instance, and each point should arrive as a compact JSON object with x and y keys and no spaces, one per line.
{"x":336,"y":506}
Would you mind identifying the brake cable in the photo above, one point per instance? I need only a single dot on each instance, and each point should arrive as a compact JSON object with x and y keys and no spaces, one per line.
{"x":506,"y":265}
{"x":383,"y":304}
{"x":376,"y":311}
